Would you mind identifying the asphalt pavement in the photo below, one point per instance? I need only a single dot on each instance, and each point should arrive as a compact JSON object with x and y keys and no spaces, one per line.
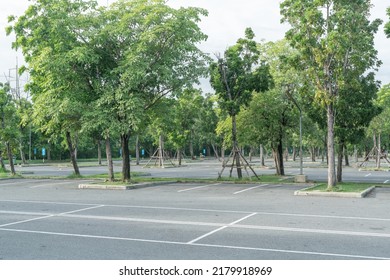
{"x":53,"y":219}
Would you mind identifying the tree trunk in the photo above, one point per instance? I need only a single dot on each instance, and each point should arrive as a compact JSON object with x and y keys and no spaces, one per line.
{"x":346,"y":157}
{"x":125,"y":157}
{"x":236,"y":150}
{"x":48,"y":152}
{"x":72,"y":153}
{"x":161,"y":151}
{"x":2,"y":165}
{"x":294,"y":155}
{"x":340,"y":154}
{"x":22,"y":156}
{"x":191,"y":145}
{"x":137,"y":158}
{"x":262,"y":161}
{"x":286,"y":154}
{"x":99,"y":146}
{"x":330,"y":148}
{"x":179,"y":156}
{"x":379,"y":148}
{"x":110,"y":163}
{"x":313,"y":154}
{"x":10,"y":158}
{"x":280,"y":153}
{"x":356,"y":154}
{"x":276,"y":160}
{"x":215,"y":149}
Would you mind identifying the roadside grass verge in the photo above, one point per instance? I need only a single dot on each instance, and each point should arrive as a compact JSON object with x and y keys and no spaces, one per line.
{"x":5,"y":174}
{"x":141,"y":177}
{"x":345,"y":187}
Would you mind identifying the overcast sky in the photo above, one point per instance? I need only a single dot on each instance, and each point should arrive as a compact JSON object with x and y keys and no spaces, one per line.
{"x":226,"y":23}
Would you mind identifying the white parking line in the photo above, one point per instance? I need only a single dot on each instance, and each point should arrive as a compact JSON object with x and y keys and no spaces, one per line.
{"x":50,"y":216}
{"x":18,"y":182}
{"x":52,"y":183}
{"x":199,"y":187}
{"x":385,"y":182}
{"x":196,"y":244}
{"x":219,"y":229}
{"x":367,"y":175}
{"x":248,"y":189}
{"x":199,"y":210}
{"x":221,"y":226}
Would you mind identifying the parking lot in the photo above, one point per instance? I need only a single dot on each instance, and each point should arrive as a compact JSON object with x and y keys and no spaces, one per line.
{"x":53,"y":219}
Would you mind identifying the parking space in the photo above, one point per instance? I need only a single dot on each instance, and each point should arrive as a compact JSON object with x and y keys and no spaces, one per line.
{"x":53,"y":219}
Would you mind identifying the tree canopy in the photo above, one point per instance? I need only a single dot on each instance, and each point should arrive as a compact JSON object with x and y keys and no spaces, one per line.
{"x":335,"y":40}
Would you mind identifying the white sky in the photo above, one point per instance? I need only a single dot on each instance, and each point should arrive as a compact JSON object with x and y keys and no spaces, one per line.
{"x":226,"y":23}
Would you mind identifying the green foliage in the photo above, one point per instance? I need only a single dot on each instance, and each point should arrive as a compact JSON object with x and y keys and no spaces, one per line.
{"x":99,"y":69}
{"x":238,"y":73}
{"x":9,"y":119}
{"x":187,"y":110}
{"x":335,"y":40}
{"x":267,"y":118}
{"x":380,"y":124}
{"x":387,"y":26}
{"x":206,"y":123}
{"x":355,"y":109}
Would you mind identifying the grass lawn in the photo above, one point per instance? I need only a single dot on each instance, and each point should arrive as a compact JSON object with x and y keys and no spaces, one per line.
{"x":140,"y":177}
{"x":343,"y":187}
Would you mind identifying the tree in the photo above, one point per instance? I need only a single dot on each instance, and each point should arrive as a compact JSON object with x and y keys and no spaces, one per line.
{"x":123,"y":59}
{"x":187,"y":109}
{"x":206,"y":124}
{"x":271,"y":115}
{"x":267,"y":120}
{"x":335,"y":39}
{"x":379,"y":125}
{"x":153,"y":53}
{"x":9,"y":125}
{"x":234,"y":77}
{"x":355,"y":109}
{"x":51,"y":36}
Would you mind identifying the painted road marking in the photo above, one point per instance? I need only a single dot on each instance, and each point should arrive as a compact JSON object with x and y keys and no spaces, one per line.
{"x":369,"y":174}
{"x":199,"y":210}
{"x":248,"y":189}
{"x":52,"y":183}
{"x":196,"y":244}
{"x":19,"y":182}
{"x":199,"y":187}
{"x":221,"y":228}
{"x":50,"y":216}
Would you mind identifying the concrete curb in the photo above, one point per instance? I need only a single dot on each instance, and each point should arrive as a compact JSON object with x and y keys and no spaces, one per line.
{"x":306,"y":192}
{"x":124,"y":187}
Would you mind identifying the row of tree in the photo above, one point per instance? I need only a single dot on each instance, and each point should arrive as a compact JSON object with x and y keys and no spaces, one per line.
{"x":129,"y":69}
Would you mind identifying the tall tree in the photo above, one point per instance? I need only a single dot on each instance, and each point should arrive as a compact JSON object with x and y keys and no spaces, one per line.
{"x":267,"y":120}
{"x":9,"y":131}
{"x":380,"y":126}
{"x":51,"y":36}
{"x":186,"y":111}
{"x":154,"y":53}
{"x":355,"y":109}
{"x":234,"y":77}
{"x":336,"y":42}
{"x":206,"y":123}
